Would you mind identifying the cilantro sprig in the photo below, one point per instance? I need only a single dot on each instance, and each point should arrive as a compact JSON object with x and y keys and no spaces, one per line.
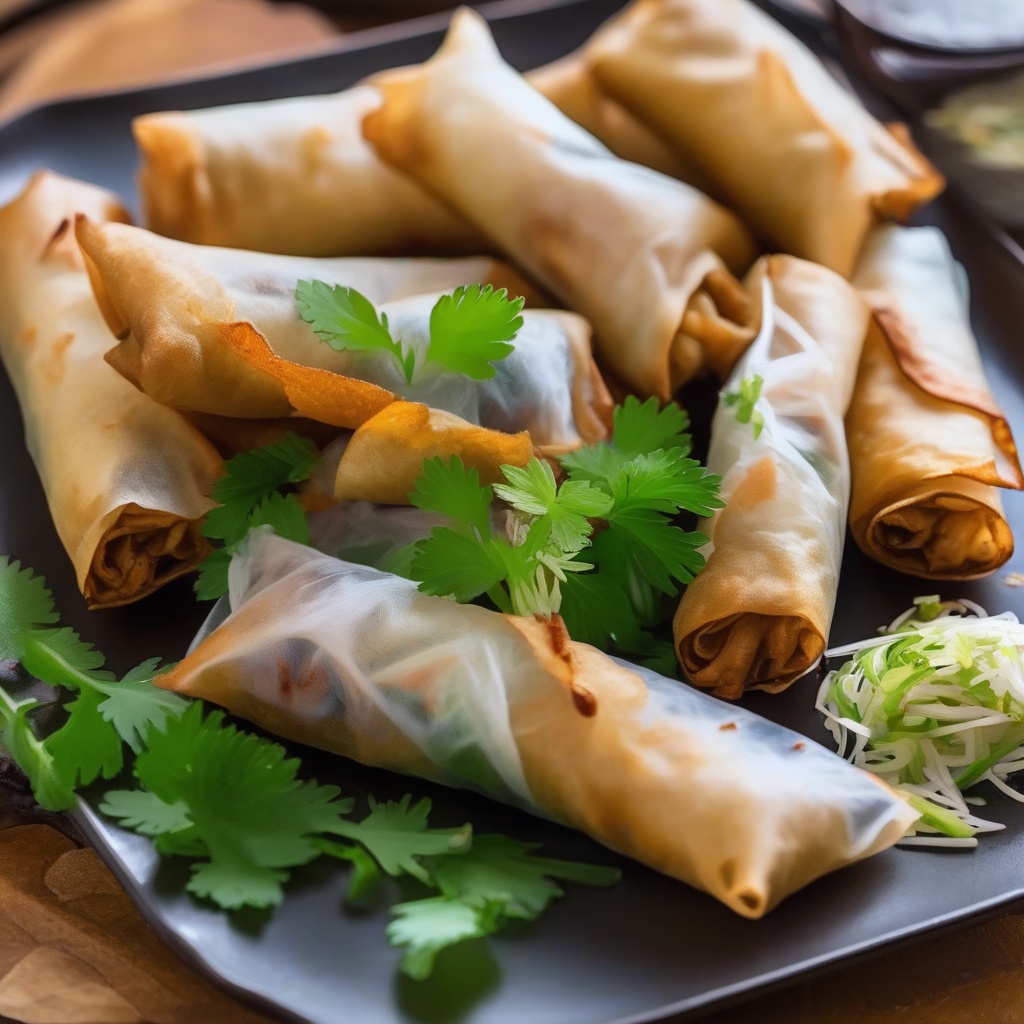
{"x":236,"y":804}
{"x":249,"y":496}
{"x":105,"y":714}
{"x":604,"y":548}
{"x":470,"y":330}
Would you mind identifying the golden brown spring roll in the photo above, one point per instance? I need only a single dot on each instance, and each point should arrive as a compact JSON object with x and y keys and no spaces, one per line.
{"x":928,"y":442}
{"x":290,"y":176}
{"x":767,"y":126}
{"x":624,"y":246}
{"x":757,"y":616}
{"x":570,"y":86}
{"x":126,"y":479}
{"x":358,"y":662}
{"x":217,"y":331}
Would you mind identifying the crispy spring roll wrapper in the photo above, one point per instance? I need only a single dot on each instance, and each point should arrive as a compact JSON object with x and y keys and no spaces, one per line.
{"x":757,"y":615}
{"x":762,"y":119}
{"x":360,"y":663}
{"x":290,"y":176}
{"x":217,"y":331}
{"x":928,"y":442}
{"x":126,"y":479}
{"x":384,"y":457}
{"x":570,"y":86}
{"x":624,"y":246}
{"x":548,"y":385}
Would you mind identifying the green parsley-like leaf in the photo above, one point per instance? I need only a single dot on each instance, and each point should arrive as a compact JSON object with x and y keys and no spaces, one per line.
{"x":145,"y":813}
{"x":664,"y":554}
{"x":84,"y":748}
{"x":397,"y":835}
{"x":533,"y":490}
{"x":497,"y":869}
{"x":246,"y":809}
{"x":366,"y":874}
{"x":450,"y":564}
{"x":449,"y":488}
{"x":250,"y":478}
{"x":641,"y":427}
{"x":427,"y":926}
{"x":472,"y":328}
{"x":347,"y":321}
{"x":135,"y":705}
{"x":25,"y":604}
{"x":50,"y":785}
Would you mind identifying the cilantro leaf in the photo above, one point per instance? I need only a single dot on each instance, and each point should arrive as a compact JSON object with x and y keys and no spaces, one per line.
{"x":250,"y":478}
{"x":247,"y":811}
{"x":82,"y":750}
{"x":450,"y":564}
{"x":347,"y":321}
{"x":663,"y":554}
{"x":472,"y":328}
{"x":641,"y":427}
{"x":498,"y":869}
{"x":366,"y":874}
{"x":50,"y":785}
{"x":533,"y":490}
{"x":145,"y":813}
{"x":427,"y":926}
{"x":451,"y":489}
{"x":397,"y":835}
{"x":25,"y":604}
{"x":134,"y":705}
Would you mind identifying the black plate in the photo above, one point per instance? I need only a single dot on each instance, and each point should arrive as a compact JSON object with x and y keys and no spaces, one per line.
{"x":648,"y":949}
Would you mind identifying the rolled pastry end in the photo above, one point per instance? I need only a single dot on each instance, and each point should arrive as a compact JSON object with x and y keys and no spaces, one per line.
{"x":385,"y":456}
{"x":140,"y":551}
{"x":749,"y":651}
{"x":949,"y":530}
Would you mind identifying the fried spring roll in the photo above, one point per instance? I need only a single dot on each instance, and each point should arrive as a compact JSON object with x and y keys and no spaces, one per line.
{"x":217,"y":331}
{"x":126,"y":479}
{"x":624,"y":246}
{"x":757,"y":616}
{"x":770,"y":130}
{"x":928,"y":442}
{"x":360,"y":663}
{"x":290,"y":176}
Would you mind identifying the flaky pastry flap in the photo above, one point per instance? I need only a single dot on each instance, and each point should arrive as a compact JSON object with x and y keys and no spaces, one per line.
{"x":126,"y":479}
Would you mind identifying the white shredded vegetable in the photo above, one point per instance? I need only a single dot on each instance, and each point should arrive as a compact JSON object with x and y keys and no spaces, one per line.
{"x":934,"y":705}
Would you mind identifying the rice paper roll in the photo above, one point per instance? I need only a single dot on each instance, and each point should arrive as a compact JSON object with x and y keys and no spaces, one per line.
{"x":770,"y":130}
{"x":622,"y":245}
{"x":359,"y":662}
{"x":126,"y":479}
{"x":290,"y":176}
{"x":928,"y":442}
{"x":757,"y":615}
{"x":218,"y":331}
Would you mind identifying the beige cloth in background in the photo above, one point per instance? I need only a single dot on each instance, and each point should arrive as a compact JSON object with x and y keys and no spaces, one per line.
{"x":73,"y":950}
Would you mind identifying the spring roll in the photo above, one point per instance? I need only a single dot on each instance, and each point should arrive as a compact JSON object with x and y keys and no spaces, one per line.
{"x":126,"y":479}
{"x":290,"y":176}
{"x":757,"y":616}
{"x":928,"y":442}
{"x":360,"y":663}
{"x":777,"y":138}
{"x":217,"y":331}
{"x":626,"y":247}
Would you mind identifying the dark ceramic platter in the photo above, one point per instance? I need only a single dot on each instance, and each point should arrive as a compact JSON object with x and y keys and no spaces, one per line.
{"x":648,"y":949}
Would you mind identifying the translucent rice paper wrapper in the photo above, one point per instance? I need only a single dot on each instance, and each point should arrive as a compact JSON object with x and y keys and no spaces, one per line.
{"x":217,"y":331}
{"x":359,"y":662}
{"x":758,"y":615}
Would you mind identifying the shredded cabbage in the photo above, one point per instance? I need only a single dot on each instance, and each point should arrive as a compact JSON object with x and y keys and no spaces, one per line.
{"x":934,"y":705}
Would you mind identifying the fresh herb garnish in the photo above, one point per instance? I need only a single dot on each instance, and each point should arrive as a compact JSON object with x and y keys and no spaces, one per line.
{"x":249,"y":497}
{"x":470,"y":330}
{"x":235,"y":803}
{"x":745,"y":399}
{"x":105,"y":714}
